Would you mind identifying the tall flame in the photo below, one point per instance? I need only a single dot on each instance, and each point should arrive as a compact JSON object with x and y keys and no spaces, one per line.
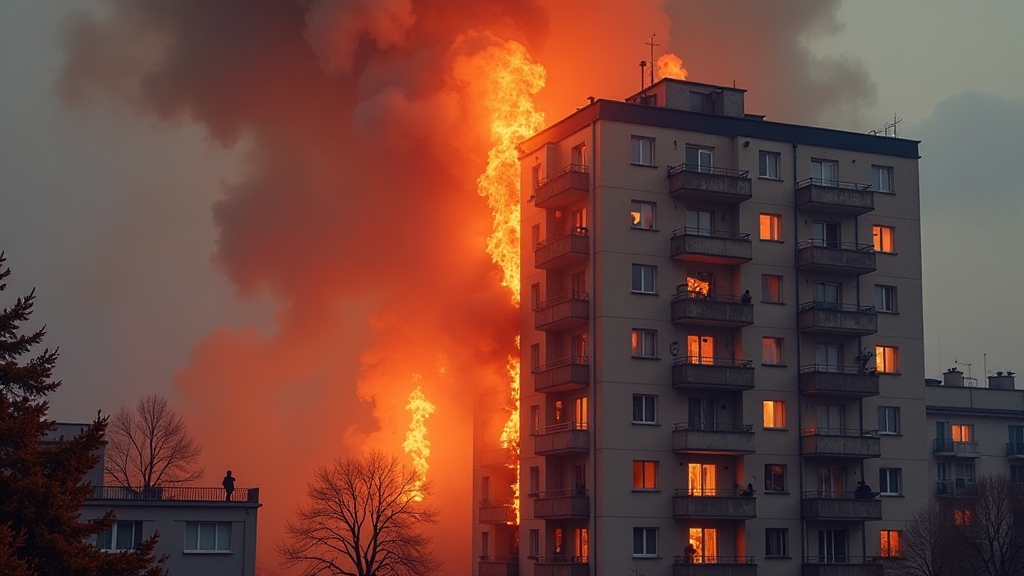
{"x":671,"y":66}
{"x":510,"y":433}
{"x":416,"y":444}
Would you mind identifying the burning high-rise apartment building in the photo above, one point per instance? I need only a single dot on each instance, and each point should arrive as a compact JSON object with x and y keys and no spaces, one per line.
{"x":721,"y":330}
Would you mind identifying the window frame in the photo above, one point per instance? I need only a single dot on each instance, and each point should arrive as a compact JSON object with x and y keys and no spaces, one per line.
{"x":637,"y":209}
{"x":886,"y":478}
{"x":648,"y":402}
{"x":885,"y":299}
{"x":199,"y":538}
{"x":876,"y":181}
{"x":887,"y":359}
{"x":773,"y":472}
{"x":764,"y":167}
{"x":778,"y":414}
{"x":887,"y":546}
{"x":778,"y":346}
{"x":636,"y":155}
{"x":883,"y":238}
{"x":645,"y":476}
{"x":895,"y":411}
{"x":648,"y":536}
{"x":779,"y":536}
{"x":642,"y":288}
{"x":766,"y":288}
{"x":133,"y":526}
{"x":773,"y":222}
{"x":645,"y":343}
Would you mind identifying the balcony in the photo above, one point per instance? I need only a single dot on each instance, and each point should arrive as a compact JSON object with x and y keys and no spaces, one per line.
{"x":713,"y":504}
{"x":711,"y":309}
{"x":715,"y":566}
{"x":719,"y":185}
{"x":958,"y":488}
{"x":496,"y":458}
{"x":562,"y":250}
{"x":833,"y":197}
{"x":837,"y":443}
{"x":176,"y":494}
{"x":497,"y":512}
{"x":561,"y":566}
{"x":499,"y":566}
{"x":700,"y":245}
{"x":1015,"y":450}
{"x":837,"y":319}
{"x":562,"y":312}
{"x":840,"y":381}
{"x":713,"y":374}
{"x":842,"y":566}
{"x":720,"y":439}
{"x":568,"y":185}
{"x":835,"y":258}
{"x":840,"y":506}
{"x":561,"y":504}
{"x":561,"y":375}
{"x":560,"y":439}
{"x":950,"y":447}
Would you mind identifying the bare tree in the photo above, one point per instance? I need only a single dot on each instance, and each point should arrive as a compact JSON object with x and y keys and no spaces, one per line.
{"x":928,"y":545}
{"x":150,"y":446}
{"x":363,"y":519}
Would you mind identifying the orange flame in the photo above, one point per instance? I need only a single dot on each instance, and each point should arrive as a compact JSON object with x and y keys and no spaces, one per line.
{"x":671,"y":66}
{"x":416,"y":444}
{"x":510,"y":433}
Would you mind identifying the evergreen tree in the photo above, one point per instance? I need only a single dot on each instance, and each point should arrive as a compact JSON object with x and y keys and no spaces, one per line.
{"x":42,"y":485}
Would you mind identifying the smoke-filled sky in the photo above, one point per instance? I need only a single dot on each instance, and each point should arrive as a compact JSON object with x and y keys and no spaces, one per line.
{"x":267,"y":211}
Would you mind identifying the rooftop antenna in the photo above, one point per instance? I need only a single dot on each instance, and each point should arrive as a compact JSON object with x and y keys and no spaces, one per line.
{"x":643,"y":63}
{"x":652,"y":45}
{"x":894,"y":126}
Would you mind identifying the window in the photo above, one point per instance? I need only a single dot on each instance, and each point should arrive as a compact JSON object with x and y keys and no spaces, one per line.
{"x":885,"y":298}
{"x":826,"y":234}
{"x":962,"y":432}
{"x":643,"y":151}
{"x":579,"y":412}
{"x":889,"y":481}
{"x":645,"y":475}
{"x":885,"y":238}
{"x":534,"y":480}
{"x":771,"y":227}
{"x":581,"y":542}
{"x":888,"y":420}
{"x":774,"y":477}
{"x":643,"y":278}
{"x":889,"y":541}
{"x":1015,"y":441}
{"x":534,"y":543}
{"x":485,"y":487}
{"x":963,"y":517}
{"x":698,"y":159}
{"x":768,"y":164}
{"x":645,"y":542}
{"x":699,"y":222}
{"x":881,"y":178}
{"x":827,"y":295}
{"x":771,"y":289}
{"x":120,"y":536}
{"x":645,"y":409}
{"x":1017,"y":474}
{"x":825,"y":172}
{"x":776,"y":542}
{"x":645,"y":343}
{"x":485,"y":543}
{"x":207,"y":536}
{"x":887,"y":359}
{"x":579,"y":156}
{"x":771,"y":351}
{"x":702,"y":479}
{"x":700,"y":349}
{"x":774,"y":414}
{"x":535,"y":418}
{"x":643,"y":214}
{"x":534,"y":357}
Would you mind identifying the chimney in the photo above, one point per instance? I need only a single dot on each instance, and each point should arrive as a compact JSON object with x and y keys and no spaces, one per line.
{"x":1001,"y":381}
{"x":953,"y":377}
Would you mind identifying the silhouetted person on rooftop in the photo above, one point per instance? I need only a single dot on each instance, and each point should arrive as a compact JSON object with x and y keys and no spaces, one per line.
{"x":229,"y":486}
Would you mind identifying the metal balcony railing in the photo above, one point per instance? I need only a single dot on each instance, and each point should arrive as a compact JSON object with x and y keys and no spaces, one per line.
{"x":837,"y":307}
{"x":707,"y":361}
{"x":715,"y":427}
{"x":673,"y":170}
{"x":176,"y":494}
{"x":738,"y":560}
{"x":581,"y":168}
{"x":704,"y":232}
{"x":833,"y":184}
{"x":948,"y":445}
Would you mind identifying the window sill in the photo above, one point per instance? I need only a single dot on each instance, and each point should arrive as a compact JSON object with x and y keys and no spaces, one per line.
{"x":773,"y":365}
{"x":767,"y":492}
{"x":889,"y":253}
{"x":767,"y":557}
{"x":207,"y":551}
{"x":772,"y":240}
{"x":773,"y":179}
{"x":769,"y":429}
{"x":645,"y":423}
{"x":646,"y":557}
{"x":889,"y":312}
{"x":880,"y":373}
{"x":653,"y":490}
{"x":773,"y":302}
{"x":644,"y":229}
{"x":643,"y":293}
{"x":642,"y":165}
{"x":880,"y":433}
{"x":884,"y":495}
{"x":646,"y":357}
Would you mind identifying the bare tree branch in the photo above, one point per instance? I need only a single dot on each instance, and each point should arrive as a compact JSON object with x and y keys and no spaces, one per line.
{"x":150,"y":446}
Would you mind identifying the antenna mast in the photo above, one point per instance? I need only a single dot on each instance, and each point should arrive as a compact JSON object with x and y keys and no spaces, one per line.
{"x":652,"y":45}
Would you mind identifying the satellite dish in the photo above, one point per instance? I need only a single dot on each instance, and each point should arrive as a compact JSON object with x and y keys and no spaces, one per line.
{"x":673,"y":348}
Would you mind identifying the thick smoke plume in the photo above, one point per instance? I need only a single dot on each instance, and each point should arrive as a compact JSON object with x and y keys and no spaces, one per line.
{"x":366,"y":126}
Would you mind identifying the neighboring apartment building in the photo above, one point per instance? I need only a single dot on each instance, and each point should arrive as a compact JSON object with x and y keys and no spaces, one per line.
{"x":201,"y":533}
{"x":721,"y":337}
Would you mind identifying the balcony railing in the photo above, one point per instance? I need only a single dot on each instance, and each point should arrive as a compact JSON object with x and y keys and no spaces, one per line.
{"x":817,"y":195}
{"x":561,"y":565}
{"x":842,"y":565}
{"x":832,"y":505}
{"x":562,"y":249}
{"x":722,"y":374}
{"x":1015,"y":449}
{"x":497,"y":512}
{"x":554,"y":504}
{"x":561,"y":312}
{"x":720,"y":185}
{"x":948,"y":446}
{"x":714,"y":566}
{"x":712,"y":309}
{"x":705,"y":503}
{"x":564,"y":374}
{"x":499,"y":566}
{"x":958,"y":487}
{"x":837,"y":318}
{"x":835,"y":257}
{"x":701,"y":245}
{"x":713,"y":439}
{"x":841,"y":443}
{"x":568,"y":185}
{"x":843,"y":381}
{"x":564,"y":438}
{"x":176,"y":494}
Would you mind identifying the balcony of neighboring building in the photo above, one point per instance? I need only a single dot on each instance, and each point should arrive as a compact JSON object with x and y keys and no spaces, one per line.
{"x":713,"y":439}
{"x":713,"y":374}
{"x":568,"y":185}
{"x":496,"y":457}
{"x":840,"y":443}
{"x":703,"y":245}
{"x":711,"y":309}
{"x":839,"y":381}
{"x":1015,"y":450}
{"x":560,"y":375}
{"x":563,"y":249}
{"x":499,"y":566}
{"x":955,"y":448}
{"x":840,"y":506}
{"x":497,"y":512}
{"x":561,"y":439}
{"x":713,"y":504}
{"x":835,"y":257}
{"x":561,"y":565}
{"x":714,"y":566}
{"x":837,"y":319}
{"x":842,"y":566}
{"x":706,"y":184}
{"x":561,"y":312}
{"x":956,"y":488}
{"x":834,"y":197}
{"x":562,"y":504}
